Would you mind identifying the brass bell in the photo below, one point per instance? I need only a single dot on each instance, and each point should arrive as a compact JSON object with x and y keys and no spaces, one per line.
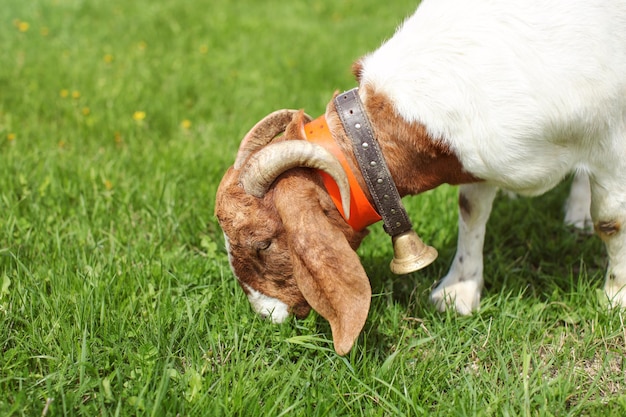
{"x":410,"y":253}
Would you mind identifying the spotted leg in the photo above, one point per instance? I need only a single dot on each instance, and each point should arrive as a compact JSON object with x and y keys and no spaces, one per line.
{"x":460,"y":288}
{"x":608,"y":210}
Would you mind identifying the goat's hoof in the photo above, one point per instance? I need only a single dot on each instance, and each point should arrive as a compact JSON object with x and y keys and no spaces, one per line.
{"x":463,"y":296}
{"x":616,"y":296}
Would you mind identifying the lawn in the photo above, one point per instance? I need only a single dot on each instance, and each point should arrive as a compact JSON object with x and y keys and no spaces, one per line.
{"x":117,"y":121}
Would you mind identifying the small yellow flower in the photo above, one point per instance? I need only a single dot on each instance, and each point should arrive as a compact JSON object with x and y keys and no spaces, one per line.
{"x":204,"y":49}
{"x":139,"y":116}
{"x":23,"y":26}
{"x":11,"y":137}
{"x":186,"y":124}
{"x":108,"y":185}
{"x":86,"y":111}
{"x":108,"y":58}
{"x":64,"y":93}
{"x":75,"y":94}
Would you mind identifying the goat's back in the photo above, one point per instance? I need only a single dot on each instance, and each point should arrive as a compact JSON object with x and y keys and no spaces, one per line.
{"x":543,"y":78}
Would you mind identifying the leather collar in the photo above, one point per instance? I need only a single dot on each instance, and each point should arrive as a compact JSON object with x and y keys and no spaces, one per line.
{"x":372,"y":163}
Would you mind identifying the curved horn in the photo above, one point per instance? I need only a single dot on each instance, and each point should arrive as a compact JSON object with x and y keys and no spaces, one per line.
{"x":268,"y":163}
{"x":263,"y":132}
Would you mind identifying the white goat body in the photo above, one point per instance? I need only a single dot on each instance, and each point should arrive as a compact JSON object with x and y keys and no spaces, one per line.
{"x":523,"y":93}
{"x":482,"y":93}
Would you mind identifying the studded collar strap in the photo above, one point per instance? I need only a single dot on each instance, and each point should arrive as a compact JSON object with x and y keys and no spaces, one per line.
{"x":372,"y":163}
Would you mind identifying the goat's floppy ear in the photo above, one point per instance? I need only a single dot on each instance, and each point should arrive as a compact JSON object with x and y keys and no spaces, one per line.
{"x":326,"y":268}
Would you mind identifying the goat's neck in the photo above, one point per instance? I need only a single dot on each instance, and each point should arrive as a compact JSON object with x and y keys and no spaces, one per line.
{"x":417,"y":162}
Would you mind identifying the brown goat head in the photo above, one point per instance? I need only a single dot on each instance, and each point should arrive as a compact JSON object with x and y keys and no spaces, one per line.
{"x":288,"y":245}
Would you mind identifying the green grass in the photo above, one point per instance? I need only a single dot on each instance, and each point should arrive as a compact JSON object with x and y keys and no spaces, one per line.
{"x":117,"y":120}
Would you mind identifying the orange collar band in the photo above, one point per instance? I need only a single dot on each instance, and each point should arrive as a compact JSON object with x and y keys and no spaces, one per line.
{"x":362,"y":214}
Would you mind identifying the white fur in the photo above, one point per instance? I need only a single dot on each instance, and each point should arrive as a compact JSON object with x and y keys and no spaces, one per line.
{"x":578,"y":204}
{"x":276,"y":310}
{"x":524,"y":92}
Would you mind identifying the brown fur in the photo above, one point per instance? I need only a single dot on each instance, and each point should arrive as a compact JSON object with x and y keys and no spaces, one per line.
{"x":325,"y":265}
{"x":607,"y":229}
{"x":417,"y":162}
{"x":293,"y":245}
{"x":357,"y":70}
{"x":249,"y":262}
{"x":311,"y":259}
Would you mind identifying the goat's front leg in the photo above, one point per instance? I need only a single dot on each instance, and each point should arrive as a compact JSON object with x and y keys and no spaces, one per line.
{"x":608,"y":210}
{"x":460,"y":288}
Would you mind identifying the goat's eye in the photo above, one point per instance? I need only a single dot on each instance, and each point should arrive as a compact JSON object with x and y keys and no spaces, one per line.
{"x":263,"y":245}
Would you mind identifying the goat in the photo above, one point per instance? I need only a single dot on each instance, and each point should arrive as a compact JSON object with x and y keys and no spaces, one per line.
{"x":477,"y":93}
